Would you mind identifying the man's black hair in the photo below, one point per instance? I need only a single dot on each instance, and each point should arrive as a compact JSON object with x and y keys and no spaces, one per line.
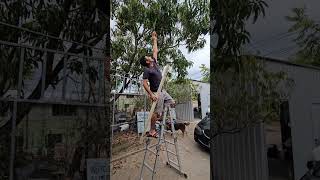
{"x":143,"y":61}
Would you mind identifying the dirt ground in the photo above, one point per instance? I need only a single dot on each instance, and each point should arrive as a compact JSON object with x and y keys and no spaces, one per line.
{"x":195,"y":161}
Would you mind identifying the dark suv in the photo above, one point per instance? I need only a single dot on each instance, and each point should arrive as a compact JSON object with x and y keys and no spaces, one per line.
{"x":202,"y":132}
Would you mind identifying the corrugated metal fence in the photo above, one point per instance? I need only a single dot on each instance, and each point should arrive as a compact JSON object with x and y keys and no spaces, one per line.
{"x":184,"y":111}
{"x":241,"y":156}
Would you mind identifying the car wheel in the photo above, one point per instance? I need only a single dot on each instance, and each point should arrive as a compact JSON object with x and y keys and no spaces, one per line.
{"x":195,"y":139}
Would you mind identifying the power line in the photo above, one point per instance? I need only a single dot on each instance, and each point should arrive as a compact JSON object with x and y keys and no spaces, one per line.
{"x":50,"y":50}
{"x":196,"y":77}
{"x":195,"y":73}
{"x":279,"y":36}
{"x":288,"y":48}
{"x":49,"y":36}
{"x":287,"y":52}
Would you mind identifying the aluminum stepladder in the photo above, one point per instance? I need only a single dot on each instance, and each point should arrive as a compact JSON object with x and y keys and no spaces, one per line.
{"x":176,"y":164}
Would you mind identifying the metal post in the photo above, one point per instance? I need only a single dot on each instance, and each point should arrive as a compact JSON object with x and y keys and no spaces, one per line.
{"x":13,"y":140}
{"x":100,"y":80}
{"x":124,"y":83}
{"x":113,"y":112}
{"x":14,"y":117}
{"x":123,"y":86}
{"x":25,"y":143}
{"x":144,"y":114}
{"x":144,"y":158}
{"x":113,"y":109}
{"x":44,"y":72}
{"x":83,"y":79}
{"x":130,"y":84}
{"x":114,"y":102}
{"x":64,"y":78}
{"x":20,"y":72}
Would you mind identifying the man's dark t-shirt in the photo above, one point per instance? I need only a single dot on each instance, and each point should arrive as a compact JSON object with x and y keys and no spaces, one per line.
{"x":153,"y":74}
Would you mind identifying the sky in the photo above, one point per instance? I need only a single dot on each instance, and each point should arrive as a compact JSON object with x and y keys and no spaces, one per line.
{"x":270,"y":34}
{"x":198,"y":57}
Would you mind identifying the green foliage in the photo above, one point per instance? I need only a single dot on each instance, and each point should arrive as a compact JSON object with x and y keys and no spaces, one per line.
{"x":205,"y":71}
{"x":140,"y":103}
{"x":308,"y":38}
{"x":78,"y":21}
{"x":229,"y":19}
{"x":181,"y":90}
{"x":175,"y":22}
{"x":248,"y":97}
{"x":245,"y":93}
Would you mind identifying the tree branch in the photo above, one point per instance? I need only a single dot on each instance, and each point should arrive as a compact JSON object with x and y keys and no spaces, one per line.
{"x":170,"y":47}
{"x":26,"y":107}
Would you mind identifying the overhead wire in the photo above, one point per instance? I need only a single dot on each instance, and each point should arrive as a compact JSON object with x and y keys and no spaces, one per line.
{"x":48,"y":36}
{"x":276,"y":37}
{"x":280,"y":50}
{"x":261,"y":48}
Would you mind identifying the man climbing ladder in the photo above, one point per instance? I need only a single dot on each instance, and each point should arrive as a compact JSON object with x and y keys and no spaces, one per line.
{"x":161,"y":106}
{"x":153,"y":74}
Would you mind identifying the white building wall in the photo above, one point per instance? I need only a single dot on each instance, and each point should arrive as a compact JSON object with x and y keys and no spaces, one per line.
{"x":204,"y":90}
{"x":204,"y":98}
{"x":304,"y":97}
{"x":304,"y":104}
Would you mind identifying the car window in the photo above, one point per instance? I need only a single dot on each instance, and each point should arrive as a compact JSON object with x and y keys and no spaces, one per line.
{"x":205,"y":123}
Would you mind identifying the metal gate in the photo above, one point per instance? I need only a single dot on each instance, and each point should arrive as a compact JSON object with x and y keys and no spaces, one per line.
{"x":52,"y":107}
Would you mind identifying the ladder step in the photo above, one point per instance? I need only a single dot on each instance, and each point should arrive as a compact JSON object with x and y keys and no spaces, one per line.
{"x":171,"y":152}
{"x":146,"y":165}
{"x":173,"y":163}
{"x":169,"y":142}
{"x":152,"y":151}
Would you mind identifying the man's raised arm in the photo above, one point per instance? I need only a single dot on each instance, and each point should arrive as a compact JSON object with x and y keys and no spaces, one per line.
{"x":154,"y":45}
